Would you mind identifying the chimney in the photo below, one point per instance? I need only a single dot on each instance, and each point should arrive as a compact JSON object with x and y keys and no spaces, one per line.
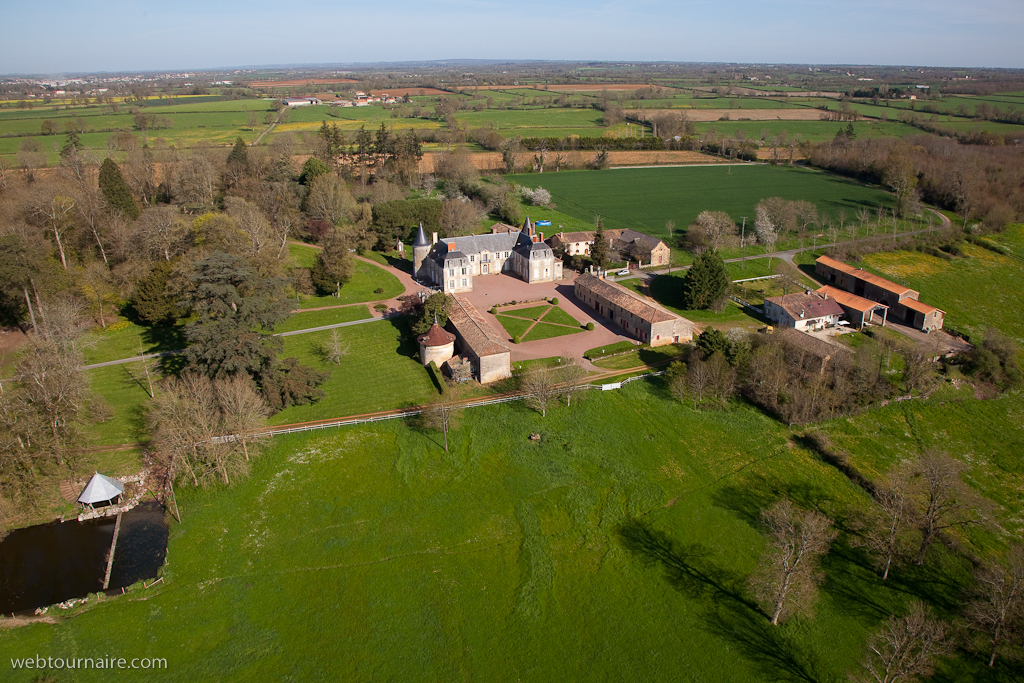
{"x":542,"y":237}
{"x":534,"y":239}
{"x":452,"y":247}
{"x":433,"y":238}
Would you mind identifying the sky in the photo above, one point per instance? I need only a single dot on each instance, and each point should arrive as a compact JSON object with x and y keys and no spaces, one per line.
{"x":61,"y":36}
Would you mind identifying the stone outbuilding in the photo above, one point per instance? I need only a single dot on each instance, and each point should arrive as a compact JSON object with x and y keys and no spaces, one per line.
{"x":903,"y":303}
{"x":491,"y":359}
{"x":638,"y":317}
{"x":858,"y":310}
{"x":436,"y":346}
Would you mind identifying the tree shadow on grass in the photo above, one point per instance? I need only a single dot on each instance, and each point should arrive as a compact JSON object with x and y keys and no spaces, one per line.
{"x":733,"y":616}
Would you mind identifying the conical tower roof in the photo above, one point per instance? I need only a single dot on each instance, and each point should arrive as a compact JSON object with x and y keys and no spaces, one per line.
{"x":436,"y":336}
{"x":528,"y":226}
{"x":421,"y":238}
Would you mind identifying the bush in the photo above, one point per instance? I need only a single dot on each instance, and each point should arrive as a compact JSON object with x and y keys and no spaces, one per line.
{"x":494,"y":310}
{"x":515,"y":339}
{"x":379,"y":290}
{"x":590,"y":327}
{"x":380,"y":307}
{"x":554,"y":301}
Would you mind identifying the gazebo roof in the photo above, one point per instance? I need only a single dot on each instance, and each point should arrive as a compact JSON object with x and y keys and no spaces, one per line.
{"x":101,"y":488}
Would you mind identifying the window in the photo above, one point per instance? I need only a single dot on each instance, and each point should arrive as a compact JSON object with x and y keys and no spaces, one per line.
{"x":451,"y":271}
{"x":463,"y":271}
{"x":451,"y":284}
{"x":464,"y":282}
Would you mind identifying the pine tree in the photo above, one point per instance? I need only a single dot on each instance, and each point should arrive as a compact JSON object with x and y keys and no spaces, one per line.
{"x":599,"y":250}
{"x":705,"y":281}
{"x":239,"y":154}
{"x":115,"y":189}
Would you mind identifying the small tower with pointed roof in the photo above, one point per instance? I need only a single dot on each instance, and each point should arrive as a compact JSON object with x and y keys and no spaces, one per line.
{"x":420,"y":249}
{"x":436,"y":345}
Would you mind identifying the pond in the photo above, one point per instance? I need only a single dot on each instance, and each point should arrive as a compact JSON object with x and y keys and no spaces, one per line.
{"x":50,"y":563}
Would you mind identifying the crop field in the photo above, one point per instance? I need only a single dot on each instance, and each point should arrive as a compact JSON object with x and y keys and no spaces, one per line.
{"x":644,"y":199}
{"x":507,"y":121}
{"x":814,"y":130}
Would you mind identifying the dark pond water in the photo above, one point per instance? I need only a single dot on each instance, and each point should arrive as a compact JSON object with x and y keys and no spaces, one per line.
{"x":49,"y":563}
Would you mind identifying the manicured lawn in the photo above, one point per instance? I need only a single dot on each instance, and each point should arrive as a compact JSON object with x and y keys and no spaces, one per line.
{"x":544,"y":331}
{"x":557,"y":316}
{"x":379,"y":372}
{"x":553,"y":322}
{"x":125,"y":389}
{"x":644,"y":199}
{"x":532,"y":313}
{"x":366,"y":280}
{"x":639,"y":357}
{"x":515,"y":327}
{"x":615,"y":548}
{"x":124,"y":339}
{"x":330,"y":316}
{"x":667,"y":291}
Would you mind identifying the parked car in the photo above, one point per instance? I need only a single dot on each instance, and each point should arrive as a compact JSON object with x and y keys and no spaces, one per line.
{"x":624,"y":271}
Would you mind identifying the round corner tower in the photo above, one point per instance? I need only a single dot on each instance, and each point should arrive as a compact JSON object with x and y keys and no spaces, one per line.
{"x":436,"y":345}
{"x":420,"y":249}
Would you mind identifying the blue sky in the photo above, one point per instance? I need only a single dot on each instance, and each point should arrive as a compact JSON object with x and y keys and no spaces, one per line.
{"x":52,"y":36}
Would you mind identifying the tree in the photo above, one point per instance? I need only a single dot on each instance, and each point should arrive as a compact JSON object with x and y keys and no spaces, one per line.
{"x":333,"y":266}
{"x":235,"y":311}
{"x":156,"y":300}
{"x":459,"y":217}
{"x":436,"y":307}
{"x":242,"y":409}
{"x":698,"y":377}
{"x":886,"y":535}
{"x":705,"y":282}
{"x":571,"y":375}
{"x":675,"y":377}
{"x":943,"y":500}
{"x":712,"y":341}
{"x":995,"y":612}
{"x":329,"y":199}
{"x":334,"y":349}
{"x":790,"y":573}
{"x":312,"y":169}
{"x":115,"y":189}
{"x":599,"y":250}
{"x":709,"y":229}
{"x":539,"y":388}
{"x":905,"y":648}
{"x":767,"y":231}
{"x":900,"y":176}
{"x":240,"y":152}
{"x":442,"y":413}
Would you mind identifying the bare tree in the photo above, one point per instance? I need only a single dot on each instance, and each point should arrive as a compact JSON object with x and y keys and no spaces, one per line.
{"x":571,"y":375}
{"x":334,"y":349}
{"x":675,"y":376}
{"x":442,"y":412}
{"x":943,"y":500}
{"x":670,"y":228}
{"x":767,"y":232}
{"x":243,"y":410}
{"x":539,"y":386}
{"x":698,"y":378}
{"x":711,"y":227}
{"x":905,"y":648}
{"x":995,"y":613}
{"x":789,"y":577}
{"x":886,"y":535}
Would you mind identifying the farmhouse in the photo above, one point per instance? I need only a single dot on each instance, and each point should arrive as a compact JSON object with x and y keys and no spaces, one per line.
{"x":902,"y":301}
{"x":452,"y":262}
{"x":301,"y":101}
{"x":491,"y":359}
{"x":802,"y":311}
{"x":858,"y":310}
{"x":644,"y":320}
{"x":629,"y":244}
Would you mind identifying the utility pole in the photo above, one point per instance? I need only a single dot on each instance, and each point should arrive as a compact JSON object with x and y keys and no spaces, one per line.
{"x":743,"y":234}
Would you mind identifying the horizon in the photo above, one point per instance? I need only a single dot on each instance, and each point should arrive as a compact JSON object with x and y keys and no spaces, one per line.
{"x":127,"y":38}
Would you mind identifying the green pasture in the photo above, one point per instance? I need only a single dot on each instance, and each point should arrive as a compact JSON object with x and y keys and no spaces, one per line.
{"x":328,"y":316}
{"x":639,"y":357}
{"x":615,"y":548}
{"x":976,"y":292}
{"x":815,"y":131}
{"x":644,"y":199}
{"x":507,"y":120}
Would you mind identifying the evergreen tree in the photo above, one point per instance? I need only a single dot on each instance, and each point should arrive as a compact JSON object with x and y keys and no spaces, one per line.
{"x":333,"y":266}
{"x":599,"y":250}
{"x":711,"y":340}
{"x":312,"y":169}
{"x":73,"y":143}
{"x":438,"y":307}
{"x":705,"y":281}
{"x":239,"y":153}
{"x":153,"y":301}
{"x":115,"y":189}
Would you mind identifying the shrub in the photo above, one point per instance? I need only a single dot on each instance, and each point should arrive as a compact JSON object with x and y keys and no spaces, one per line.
{"x":380,"y":307}
{"x":590,"y":327}
{"x":494,"y":310}
{"x":554,"y":301}
{"x":379,"y":290}
{"x":515,"y":339}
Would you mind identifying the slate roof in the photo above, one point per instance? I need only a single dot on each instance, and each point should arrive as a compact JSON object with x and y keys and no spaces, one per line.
{"x":861,"y":274}
{"x":476,"y":334}
{"x":803,"y":306}
{"x":421,"y":238}
{"x":475,"y":244}
{"x":624,"y":299}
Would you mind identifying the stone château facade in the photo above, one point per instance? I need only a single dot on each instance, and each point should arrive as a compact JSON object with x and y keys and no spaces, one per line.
{"x":451,"y":263}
